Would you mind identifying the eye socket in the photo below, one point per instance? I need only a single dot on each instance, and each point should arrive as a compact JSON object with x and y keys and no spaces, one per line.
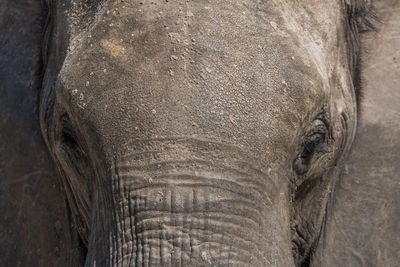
{"x":314,"y":142}
{"x":69,"y":141}
{"x":67,"y":137}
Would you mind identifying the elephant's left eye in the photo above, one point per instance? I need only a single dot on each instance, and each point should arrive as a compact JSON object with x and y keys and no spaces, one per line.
{"x":314,"y":142}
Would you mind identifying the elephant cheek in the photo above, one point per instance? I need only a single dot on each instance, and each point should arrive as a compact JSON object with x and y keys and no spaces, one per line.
{"x":195,"y":209}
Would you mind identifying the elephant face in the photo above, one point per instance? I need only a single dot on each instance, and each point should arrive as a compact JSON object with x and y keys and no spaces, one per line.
{"x":199,"y":132}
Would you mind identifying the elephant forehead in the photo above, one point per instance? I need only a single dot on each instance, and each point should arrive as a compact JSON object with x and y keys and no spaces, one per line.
{"x":193,"y":71}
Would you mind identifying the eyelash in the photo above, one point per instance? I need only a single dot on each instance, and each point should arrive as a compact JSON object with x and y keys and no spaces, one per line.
{"x":313,"y":142}
{"x":69,"y":143}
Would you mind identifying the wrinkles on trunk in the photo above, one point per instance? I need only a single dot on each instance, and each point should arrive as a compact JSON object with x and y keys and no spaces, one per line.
{"x":186,"y":201}
{"x":168,"y":237}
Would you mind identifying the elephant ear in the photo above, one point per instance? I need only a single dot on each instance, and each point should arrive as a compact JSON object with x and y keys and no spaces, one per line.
{"x":35,"y":228}
{"x":362,"y":226}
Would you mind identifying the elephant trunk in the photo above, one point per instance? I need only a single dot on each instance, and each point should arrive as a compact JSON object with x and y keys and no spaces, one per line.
{"x":191,"y":202}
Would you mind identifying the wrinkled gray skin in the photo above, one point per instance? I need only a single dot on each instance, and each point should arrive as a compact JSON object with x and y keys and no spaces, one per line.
{"x":196,"y":132}
{"x":180,"y":127}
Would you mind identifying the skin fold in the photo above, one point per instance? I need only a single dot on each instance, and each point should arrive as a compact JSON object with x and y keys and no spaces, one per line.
{"x":198,"y":133}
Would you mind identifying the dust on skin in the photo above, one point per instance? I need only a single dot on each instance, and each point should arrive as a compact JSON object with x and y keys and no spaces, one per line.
{"x":112,"y":47}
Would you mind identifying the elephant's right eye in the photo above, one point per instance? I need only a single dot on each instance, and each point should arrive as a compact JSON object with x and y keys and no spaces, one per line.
{"x":68,"y":138}
{"x":69,"y":143}
{"x":67,"y":135}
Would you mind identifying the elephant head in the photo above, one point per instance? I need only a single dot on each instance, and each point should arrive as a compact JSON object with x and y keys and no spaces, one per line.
{"x":200,"y":132}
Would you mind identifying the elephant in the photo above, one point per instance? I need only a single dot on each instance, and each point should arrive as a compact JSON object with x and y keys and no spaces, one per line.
{"x":195,"y":133}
